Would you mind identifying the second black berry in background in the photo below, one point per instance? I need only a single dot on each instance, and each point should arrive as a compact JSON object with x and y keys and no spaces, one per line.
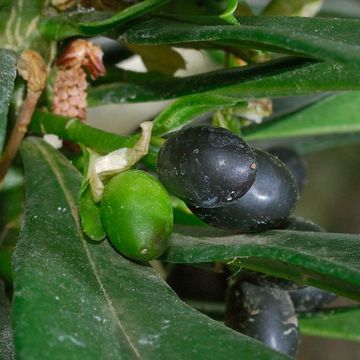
{"x":206,"y":166}
{"x":293,"y":162}
{"x":265,"y":314}
{"x":310,"y":298}
{"x":270,"y":200}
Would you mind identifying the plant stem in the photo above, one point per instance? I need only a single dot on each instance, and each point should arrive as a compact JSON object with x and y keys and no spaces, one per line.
{"x":32,"y":68}
{"x":19,"y":131}
{"x":74,"y":130}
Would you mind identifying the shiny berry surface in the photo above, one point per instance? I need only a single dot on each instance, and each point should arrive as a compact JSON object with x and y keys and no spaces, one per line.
{"x":270,"y":200}
{"x":206,"y":166}
{"x":310,"y":298}
{"x":265,"y":314}
{"x":294,"y":163}
{"x":137,"y":215}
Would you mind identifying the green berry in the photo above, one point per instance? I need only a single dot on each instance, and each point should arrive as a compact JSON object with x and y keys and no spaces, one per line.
{"x":137,"y":215}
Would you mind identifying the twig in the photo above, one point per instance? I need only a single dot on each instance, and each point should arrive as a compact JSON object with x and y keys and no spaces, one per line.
{"x":32,"y":68}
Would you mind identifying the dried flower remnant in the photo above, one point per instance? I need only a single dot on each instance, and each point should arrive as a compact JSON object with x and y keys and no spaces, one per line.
{"x":70,"y":84}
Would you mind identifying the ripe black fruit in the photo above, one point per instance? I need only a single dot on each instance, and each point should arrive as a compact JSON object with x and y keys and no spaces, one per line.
{"x":310,"y":298}
{"x":206,"y":166}
{"x":265,"y":314}
{"x":264,"y":280}
{"x":269,"y":201}
{"x":293,"y":162}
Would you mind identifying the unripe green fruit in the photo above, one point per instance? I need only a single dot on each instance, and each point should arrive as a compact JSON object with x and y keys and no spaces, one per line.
{"x":137,"y":215}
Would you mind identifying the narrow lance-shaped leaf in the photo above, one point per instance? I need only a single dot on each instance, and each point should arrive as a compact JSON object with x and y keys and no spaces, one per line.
{"x":322,"y":38}
{"x":93,"y":23}
{"x":337,"y":114}
{"x":94,"y":303}
{"x":7,"y":351}
{"x":19,"y":27}
{"x":228,"y":14}
{"x":337,"y":323}
{"x":187,"y":108}
{"x":7,"y":79}
{"x":283,"y":77}
{"x":325,"y":260}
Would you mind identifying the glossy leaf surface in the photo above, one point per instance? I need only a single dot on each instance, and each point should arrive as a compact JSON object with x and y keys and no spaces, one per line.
{"x":338,"y":323}
{"x":95,"y":303}
{"x":326,"y":260}
{"x":336,"y":114}
{"x":321,"y":38}
{"x":283,"y":77}
{"x":89,"y":23}
{"x":90,"y":216}
{"x":187,"y":108}
{"x":7,"y":78}
{"x":7,"y":351}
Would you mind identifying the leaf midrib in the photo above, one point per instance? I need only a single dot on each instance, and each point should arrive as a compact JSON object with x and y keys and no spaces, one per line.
{"x":287,"y":251}
{"x":73,"y":209}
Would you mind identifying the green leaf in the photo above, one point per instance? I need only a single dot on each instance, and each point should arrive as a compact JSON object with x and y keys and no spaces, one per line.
{"x":13,"y":179}
{"x":19,"y":27}
{"x":325,"y":260}
{"x":189,"y":107}
{"x":90,"y":216}
{"x":228,"y":14}
{"x":7,"y":79}
{"x":160,"y":59}
{"x":293,"y":8}
{"x":283,"y":77}
{"x":337,"y":114}
{"x":322,"y":38}
{"x":10,"y":207}
{"x":94,"y":23}
{"x":95,"y":303}
{"x":338,"y":323}
{"x":7,"y":351}
{"x":308,"y":145}
{"x":5,"y":261}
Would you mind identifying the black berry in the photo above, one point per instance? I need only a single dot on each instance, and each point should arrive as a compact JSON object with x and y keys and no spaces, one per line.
{"x":294,"y":163}
{"x":265,"y":314}
{"x":206,"y":166}
{"x":269,"y":201}
{"x":310,"y":298}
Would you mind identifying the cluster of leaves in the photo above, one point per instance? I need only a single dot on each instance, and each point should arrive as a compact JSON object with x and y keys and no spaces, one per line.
{"x":75,"y":299}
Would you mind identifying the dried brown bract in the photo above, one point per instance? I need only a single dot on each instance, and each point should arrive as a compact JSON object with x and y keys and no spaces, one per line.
{"x":32,"y":68}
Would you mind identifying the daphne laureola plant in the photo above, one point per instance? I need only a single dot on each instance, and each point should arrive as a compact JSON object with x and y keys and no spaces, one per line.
{"x":177,"y":240}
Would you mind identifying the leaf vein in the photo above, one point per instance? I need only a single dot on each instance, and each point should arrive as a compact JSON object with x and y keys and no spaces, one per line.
{"x":73,"y":209}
